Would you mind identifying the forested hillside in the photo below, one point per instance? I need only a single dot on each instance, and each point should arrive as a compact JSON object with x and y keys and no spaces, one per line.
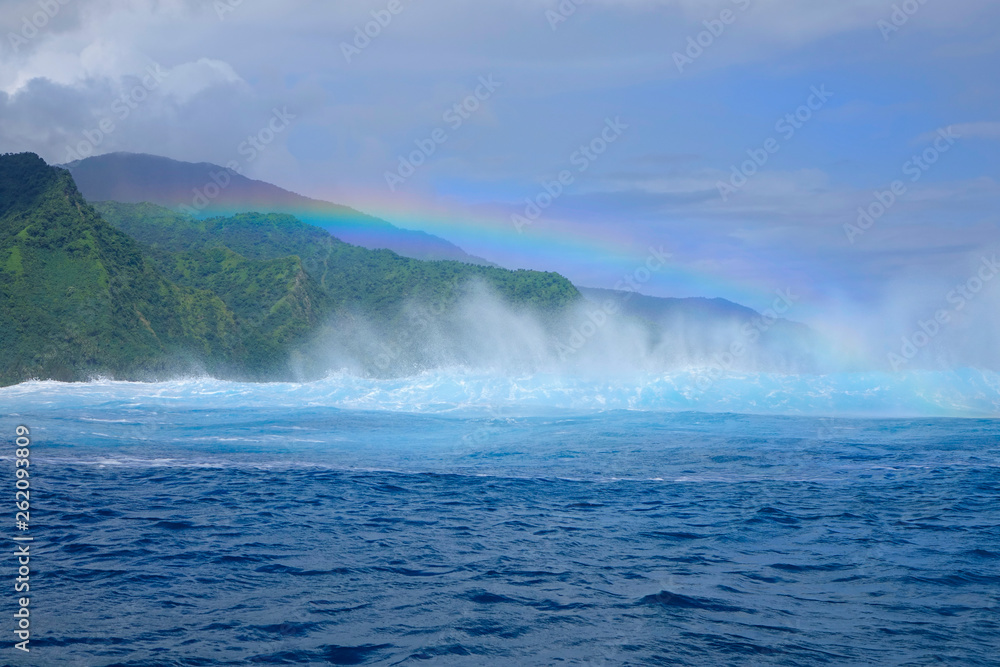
{"x":143,"y":292}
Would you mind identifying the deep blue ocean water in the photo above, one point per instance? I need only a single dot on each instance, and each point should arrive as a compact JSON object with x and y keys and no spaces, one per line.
{"x":206,"y":523}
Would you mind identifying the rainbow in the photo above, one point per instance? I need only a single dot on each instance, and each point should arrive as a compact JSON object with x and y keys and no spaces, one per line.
{"x":590,"y":255}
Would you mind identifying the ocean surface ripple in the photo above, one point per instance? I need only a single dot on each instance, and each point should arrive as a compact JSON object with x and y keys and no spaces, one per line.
{"x":221,"y":532}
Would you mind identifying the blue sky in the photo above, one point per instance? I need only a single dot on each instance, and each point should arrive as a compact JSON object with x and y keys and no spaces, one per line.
{"x":231,"y":62}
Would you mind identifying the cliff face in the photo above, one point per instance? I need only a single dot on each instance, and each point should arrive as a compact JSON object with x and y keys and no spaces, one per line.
{"x":79,"y":298}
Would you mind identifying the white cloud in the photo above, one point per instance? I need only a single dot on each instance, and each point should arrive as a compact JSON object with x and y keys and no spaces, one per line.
{"x":188,"y":79}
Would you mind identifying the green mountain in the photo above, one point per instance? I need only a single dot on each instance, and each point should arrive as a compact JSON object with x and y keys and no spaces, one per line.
{"x":137,"y":291}
{"x":79,"y":298}
{"x":374,"y":281}
{"x":207,"y":190}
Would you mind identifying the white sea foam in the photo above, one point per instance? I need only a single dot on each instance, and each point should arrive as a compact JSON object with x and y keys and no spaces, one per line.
{"x":959,"y":393}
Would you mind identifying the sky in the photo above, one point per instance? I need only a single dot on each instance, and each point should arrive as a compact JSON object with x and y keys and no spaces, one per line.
{"x":741,"y":137}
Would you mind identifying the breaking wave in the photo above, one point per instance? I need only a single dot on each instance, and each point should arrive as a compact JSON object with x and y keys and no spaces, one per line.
{"x":959,"y":393}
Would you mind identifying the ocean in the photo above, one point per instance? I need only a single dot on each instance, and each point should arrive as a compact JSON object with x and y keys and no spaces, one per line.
{"x":462,"y":519}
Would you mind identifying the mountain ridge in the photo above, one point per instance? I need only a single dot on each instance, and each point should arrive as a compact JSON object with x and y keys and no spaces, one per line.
{"x":719,"y":332}
{"x":204,"y":189}
{"x":79,"y":297}
{"x":235,"y":297}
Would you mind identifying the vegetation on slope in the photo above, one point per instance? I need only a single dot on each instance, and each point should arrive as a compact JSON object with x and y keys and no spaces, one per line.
{"x":156,"y":292}
{"x":79,"y":298}
{"x":372,"y":281}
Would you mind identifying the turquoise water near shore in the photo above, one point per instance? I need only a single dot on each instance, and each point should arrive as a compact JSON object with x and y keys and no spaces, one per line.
{"x":473,"y":520}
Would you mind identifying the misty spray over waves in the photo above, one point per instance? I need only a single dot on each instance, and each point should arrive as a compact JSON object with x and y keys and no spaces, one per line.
{"x":608,"y":352}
